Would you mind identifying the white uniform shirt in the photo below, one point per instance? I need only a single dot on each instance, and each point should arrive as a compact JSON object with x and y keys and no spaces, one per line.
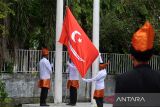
{"x":45,"y":68}
{"x":99,"y":79}
{"x":73,"y":72}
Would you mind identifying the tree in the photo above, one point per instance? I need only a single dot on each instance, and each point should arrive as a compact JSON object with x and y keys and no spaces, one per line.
{"x":121,"y":18}
{"x":19,"y":24}
{"x":33,"y":24}
{"x":48,"y":25}
{"x":4,"y":12}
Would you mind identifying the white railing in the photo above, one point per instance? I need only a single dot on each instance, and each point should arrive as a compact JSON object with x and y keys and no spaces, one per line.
{"x":27,"y":61}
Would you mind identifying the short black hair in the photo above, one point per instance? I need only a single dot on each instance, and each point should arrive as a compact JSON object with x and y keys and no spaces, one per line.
{"x":141,"y":56}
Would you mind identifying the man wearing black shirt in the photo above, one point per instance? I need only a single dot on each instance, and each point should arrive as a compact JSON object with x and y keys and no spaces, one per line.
{"x":141,"y":79}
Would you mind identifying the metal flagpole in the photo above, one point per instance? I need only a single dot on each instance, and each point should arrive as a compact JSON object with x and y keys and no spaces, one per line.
{"x":58,"y":53}
{"x":95,"y":38}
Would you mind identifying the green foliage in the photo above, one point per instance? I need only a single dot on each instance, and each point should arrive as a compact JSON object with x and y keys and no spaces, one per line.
{"x":19,"y":30}
{"x":47,"y":25}
{"x":4,"y":10}
{"x":112,"y":36}
{"x":121,"y":18}
{"x":3,"y":93}
{"x":9,"y":67}
{"x":33,"y":24}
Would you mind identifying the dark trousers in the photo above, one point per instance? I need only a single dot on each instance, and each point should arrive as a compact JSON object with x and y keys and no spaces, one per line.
{"x":43,"y":96}
{"x":99,"y":101}
{"x":73,"y":95}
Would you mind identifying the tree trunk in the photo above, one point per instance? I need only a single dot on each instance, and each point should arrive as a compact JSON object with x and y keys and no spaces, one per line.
{"x":1,"y":54}
{"x":5,"y":41}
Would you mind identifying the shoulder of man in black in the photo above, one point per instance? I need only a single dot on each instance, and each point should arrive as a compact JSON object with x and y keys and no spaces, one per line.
{"x":122,"y":81}
{"x":138,"y":80}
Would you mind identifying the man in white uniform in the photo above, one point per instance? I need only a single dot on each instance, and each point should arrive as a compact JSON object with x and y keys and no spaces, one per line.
{"x":99,"y":79}
{"x":45,"y":75}
{"x":72,"y":83}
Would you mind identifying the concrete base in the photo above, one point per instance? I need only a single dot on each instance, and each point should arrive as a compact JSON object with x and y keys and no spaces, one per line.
{"x":64,"y":105}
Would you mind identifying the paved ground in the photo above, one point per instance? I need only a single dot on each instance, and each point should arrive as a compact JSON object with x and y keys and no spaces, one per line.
{"x":64,"y":105}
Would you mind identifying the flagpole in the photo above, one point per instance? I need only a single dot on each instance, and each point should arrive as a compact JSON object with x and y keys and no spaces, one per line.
{"x":95,"y":39}
{"x":58,"y":54}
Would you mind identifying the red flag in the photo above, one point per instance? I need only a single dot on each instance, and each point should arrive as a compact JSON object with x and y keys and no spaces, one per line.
{"x":81,"y":50}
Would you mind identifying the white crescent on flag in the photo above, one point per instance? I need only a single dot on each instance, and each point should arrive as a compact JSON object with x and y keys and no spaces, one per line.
{"x":71,"y":48}
{"x":74,"y":34}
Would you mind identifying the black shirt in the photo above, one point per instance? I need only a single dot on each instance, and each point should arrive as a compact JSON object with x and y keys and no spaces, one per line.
{"x":142,"y":79}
